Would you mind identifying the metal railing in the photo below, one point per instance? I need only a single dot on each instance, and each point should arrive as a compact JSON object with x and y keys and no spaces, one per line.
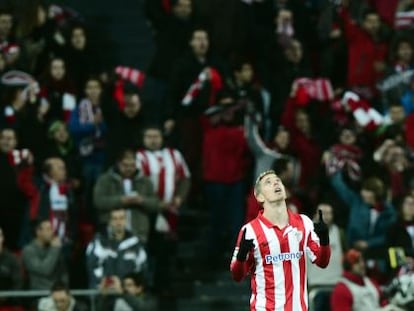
{"x":90,"y":293}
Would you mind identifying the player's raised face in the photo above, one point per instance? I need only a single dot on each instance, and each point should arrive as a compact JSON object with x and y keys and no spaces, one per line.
{"x":271,"y":189}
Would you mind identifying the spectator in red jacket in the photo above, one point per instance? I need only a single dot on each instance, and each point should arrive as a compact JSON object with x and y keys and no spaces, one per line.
{"x":355,"y":291}
{"x":296,"y":119}
{"x":224,"y":160}
{"x":366,"y":50}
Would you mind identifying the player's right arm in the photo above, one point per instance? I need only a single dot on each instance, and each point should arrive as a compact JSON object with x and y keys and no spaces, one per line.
{"x":242,"y":259}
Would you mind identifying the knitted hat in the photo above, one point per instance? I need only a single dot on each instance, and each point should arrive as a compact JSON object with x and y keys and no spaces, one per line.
{"x":351,"y":257}
{"x":54,"y":127}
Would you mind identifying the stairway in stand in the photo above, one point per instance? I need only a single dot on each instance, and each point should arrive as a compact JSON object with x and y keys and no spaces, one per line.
{"x":199,"y":288}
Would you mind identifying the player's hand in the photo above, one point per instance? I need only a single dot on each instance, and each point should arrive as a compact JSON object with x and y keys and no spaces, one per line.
{"x":245,"y":246}
{"x":322,"y":230}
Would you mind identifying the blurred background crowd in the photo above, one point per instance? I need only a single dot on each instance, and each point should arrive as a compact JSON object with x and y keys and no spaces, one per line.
{"x":96,"y":171}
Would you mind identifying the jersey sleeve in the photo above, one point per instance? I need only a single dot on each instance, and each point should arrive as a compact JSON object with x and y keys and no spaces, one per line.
{"x":240,"y":269}
{"x":318,"y":254}
{"x":182,"y":166}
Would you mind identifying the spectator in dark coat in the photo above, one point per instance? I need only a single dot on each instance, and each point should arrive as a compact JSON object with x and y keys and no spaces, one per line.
{"x":125,"y":122}
{"x":114,"y":252}
{"x":172,"y":32}
{"x":400,"y":234}
{"x":184,"y":115}
{"x":365,"y":232}
{"x":22,"y":111}
{"x":17,"y":188}
{"x":43,"y":258}
{"x":280,"y":71}
{"x":58,"y":90}
{"x":88,"y":128}
{"x":124,"y":185}
{"x":81,"y":60}
{"x":8,"y":44}
{"x":10,"y":272}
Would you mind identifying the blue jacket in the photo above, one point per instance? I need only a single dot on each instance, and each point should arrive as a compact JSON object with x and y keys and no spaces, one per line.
{"x":360,"y":214}
{"x":89,"y":138}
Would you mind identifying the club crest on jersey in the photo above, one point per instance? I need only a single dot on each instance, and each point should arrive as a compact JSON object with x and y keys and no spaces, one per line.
{"x":299,"y":235}
{"x":273,"y":259}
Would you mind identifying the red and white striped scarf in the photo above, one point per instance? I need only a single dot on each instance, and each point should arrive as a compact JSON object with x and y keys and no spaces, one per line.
{"x":364,"y":114}
{"x":347,"y":156}
{"x":59,"y":204}
{"x":319,"y":89}
{"x":199,"y":83}
{"x":132,"y":75}
{"x":404,"y":20}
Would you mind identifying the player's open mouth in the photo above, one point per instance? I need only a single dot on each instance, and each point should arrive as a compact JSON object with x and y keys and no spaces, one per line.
{"x":277,"y":190}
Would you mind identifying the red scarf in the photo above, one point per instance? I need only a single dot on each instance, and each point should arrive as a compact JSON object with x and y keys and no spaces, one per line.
{"x":132,"y":75}
{"x":199,"y":83}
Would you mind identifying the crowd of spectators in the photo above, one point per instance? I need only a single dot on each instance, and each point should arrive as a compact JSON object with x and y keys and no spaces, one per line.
{"x":92,"y":187}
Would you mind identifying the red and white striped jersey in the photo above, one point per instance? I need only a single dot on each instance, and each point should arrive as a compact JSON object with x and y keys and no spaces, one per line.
{"x":277,"y":263}
{"x":164,"y":167}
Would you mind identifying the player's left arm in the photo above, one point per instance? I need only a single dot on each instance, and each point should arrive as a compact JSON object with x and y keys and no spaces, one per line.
{"x":242,"y":260}
{"x":317,"y":243}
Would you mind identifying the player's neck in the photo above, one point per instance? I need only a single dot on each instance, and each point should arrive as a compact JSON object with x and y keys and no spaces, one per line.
{"x":276,"y":213}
